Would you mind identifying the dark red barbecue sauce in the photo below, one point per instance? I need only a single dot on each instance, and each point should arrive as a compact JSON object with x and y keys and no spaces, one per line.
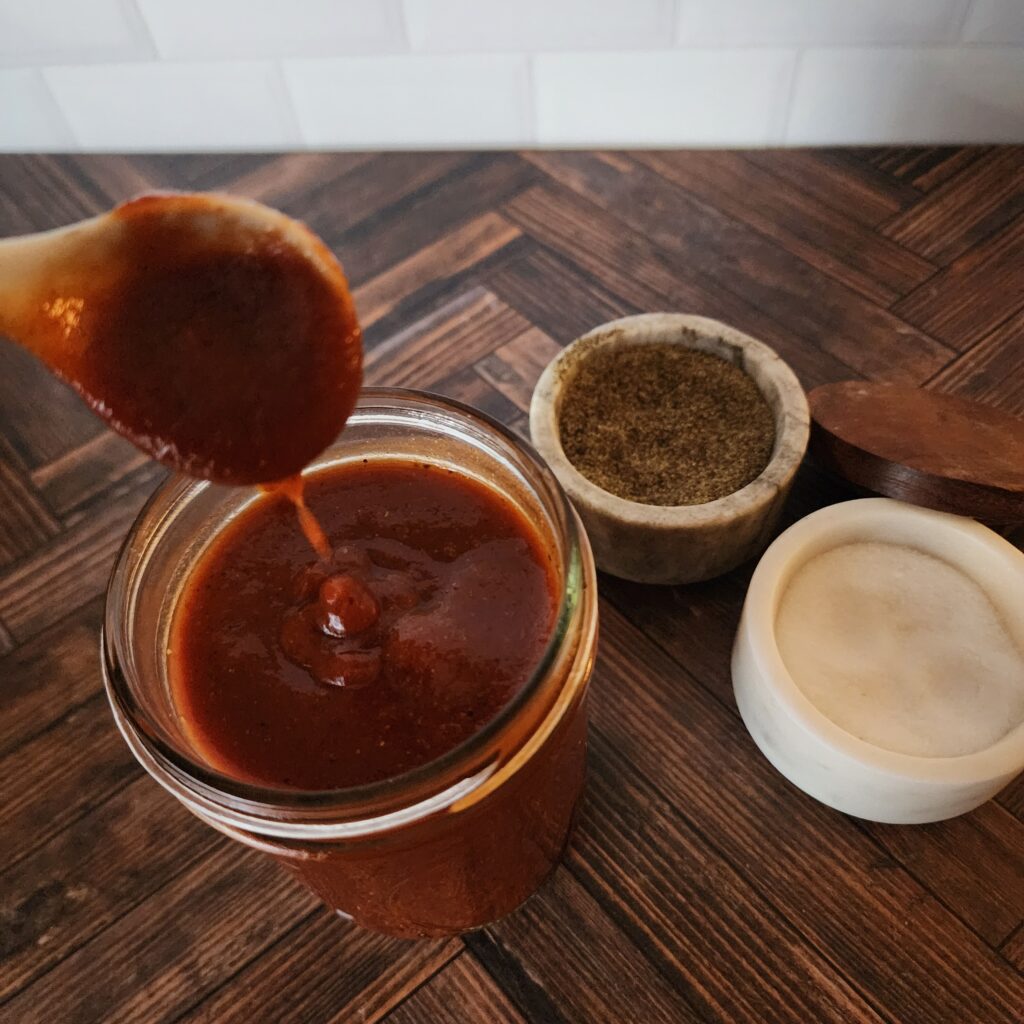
{"x":433,"y":610}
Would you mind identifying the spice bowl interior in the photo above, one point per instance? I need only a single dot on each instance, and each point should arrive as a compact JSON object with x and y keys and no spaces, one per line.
{"x":829,"y":763}
{"x":672,"y":544}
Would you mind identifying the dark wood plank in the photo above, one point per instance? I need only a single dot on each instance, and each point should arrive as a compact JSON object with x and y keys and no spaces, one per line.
{"x":74,"y":567}
{"x":83,"y":474}
{"x":41,"y":418}
{"x":555,"y":295}
{"x":513,"y":369}
{"x":91,"y":874}
{"x":55,"y":671}
{"x":700,"y":885}
{"x":462,"y":992}
{"x":422,"y":217}
{"x":325,"y":970}
{"x":798,"y":296}
{"x":991,"y":370}
{"x":848,"y":897}
{"x":347,"y":194}
{"x":42,"y":192}
{"x":467,"y":386}
{"x":332,"y":192}
{"x":966,"y":209}
{"x":26,"y":522}
{"x":945,"y":856}
{"x":562,"y":941}
{"x":828,"y":239}
{"x":1013,"y":948}
{"x":974,"y":294}
{"x":710,"y":931}
{"x":951,"y":161}
{"x":923,"y":167}
{"x":189,"y":171}
{"x":1012,"y":797}
{"x":464,"y":330}
{"x":57,"y":776}
{"x":165,"y":955}
{"x":641,"y":275}
{"x":292,"y":177}
{"x":110,"y":182}
{"x":840,"y":179}
{"x":437,"y":263}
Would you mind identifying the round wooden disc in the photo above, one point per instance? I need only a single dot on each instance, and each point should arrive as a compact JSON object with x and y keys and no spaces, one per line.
{"x":930,"y":449}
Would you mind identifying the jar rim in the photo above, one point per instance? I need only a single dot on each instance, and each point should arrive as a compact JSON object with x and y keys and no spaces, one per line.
{"x":443,"y":777}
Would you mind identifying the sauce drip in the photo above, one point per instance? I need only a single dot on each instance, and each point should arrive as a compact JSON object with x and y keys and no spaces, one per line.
{"x":293,"y":488}
{"x":434,"y":607}
{"x":225,"y":349}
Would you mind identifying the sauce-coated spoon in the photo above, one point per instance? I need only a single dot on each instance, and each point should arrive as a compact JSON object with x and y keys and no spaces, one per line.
{"x":215,"y":333}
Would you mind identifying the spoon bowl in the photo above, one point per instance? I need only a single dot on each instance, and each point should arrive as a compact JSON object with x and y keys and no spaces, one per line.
{"x":216,"y":333}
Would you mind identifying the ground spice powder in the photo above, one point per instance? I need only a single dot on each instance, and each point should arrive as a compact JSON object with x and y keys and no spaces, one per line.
{"x":665,"y":425}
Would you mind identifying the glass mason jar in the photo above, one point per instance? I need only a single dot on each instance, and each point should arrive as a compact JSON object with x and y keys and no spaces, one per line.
{"x":448,"y":846}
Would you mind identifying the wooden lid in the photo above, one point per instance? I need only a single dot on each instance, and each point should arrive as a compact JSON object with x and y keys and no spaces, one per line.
{"x":940,"y":451}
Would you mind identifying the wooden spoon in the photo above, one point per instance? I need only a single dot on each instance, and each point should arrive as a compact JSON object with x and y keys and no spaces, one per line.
{"x":215,"y":333}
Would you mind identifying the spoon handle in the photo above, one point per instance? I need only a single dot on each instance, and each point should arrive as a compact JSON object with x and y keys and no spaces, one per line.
{"x":40,"y":284}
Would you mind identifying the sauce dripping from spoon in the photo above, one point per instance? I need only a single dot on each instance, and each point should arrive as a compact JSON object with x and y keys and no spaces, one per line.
{"x":292,"y":488}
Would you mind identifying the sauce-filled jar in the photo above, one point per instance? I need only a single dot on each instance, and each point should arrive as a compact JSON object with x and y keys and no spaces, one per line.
{"x":446,"y":846}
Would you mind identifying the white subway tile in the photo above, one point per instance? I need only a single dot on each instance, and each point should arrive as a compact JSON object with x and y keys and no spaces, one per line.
{"x":532,"y":25}
{"x":30,"y":121}
{"x":202,"y":29}
{"x":70,"y":31}
{"x":995,"y":21}
{"x":680,"y":97}
{"x":224,"y":106}
{"x":411,"y":101}
{"x":949,"y":94}
{"x":818,"y":22}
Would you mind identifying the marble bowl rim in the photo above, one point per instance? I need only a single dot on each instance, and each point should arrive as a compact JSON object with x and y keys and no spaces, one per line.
{"x":775,"y":568}
{"x":646,"y":328}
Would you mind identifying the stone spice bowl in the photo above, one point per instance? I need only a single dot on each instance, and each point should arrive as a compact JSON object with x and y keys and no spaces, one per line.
{"x":678,"y":543}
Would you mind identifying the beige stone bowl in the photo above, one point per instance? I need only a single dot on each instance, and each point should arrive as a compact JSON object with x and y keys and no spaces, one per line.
{"x":678,"y":543}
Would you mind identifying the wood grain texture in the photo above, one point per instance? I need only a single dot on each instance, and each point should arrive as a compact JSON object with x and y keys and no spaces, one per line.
{"x":465,"y":991}
{"x":974,"y":294}
{"x":700,"y":886}
{"x":964,"y":210}
{"x":326,"y":970}
{"x":794,"y":292}
{"x":921,"y":446}
{"x":819,"y":234}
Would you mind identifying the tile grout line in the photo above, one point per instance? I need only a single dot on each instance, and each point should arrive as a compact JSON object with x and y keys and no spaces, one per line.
{"x":787,"y":111}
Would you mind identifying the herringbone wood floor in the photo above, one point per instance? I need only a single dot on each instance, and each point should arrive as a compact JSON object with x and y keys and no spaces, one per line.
{"x":699,"y":886}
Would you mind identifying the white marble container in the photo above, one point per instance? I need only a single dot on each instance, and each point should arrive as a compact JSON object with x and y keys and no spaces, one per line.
{"x":809,"y":749}
{"x":679,"y":543}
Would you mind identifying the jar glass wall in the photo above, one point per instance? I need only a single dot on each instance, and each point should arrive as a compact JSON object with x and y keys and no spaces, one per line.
{"x":448,"y":846}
